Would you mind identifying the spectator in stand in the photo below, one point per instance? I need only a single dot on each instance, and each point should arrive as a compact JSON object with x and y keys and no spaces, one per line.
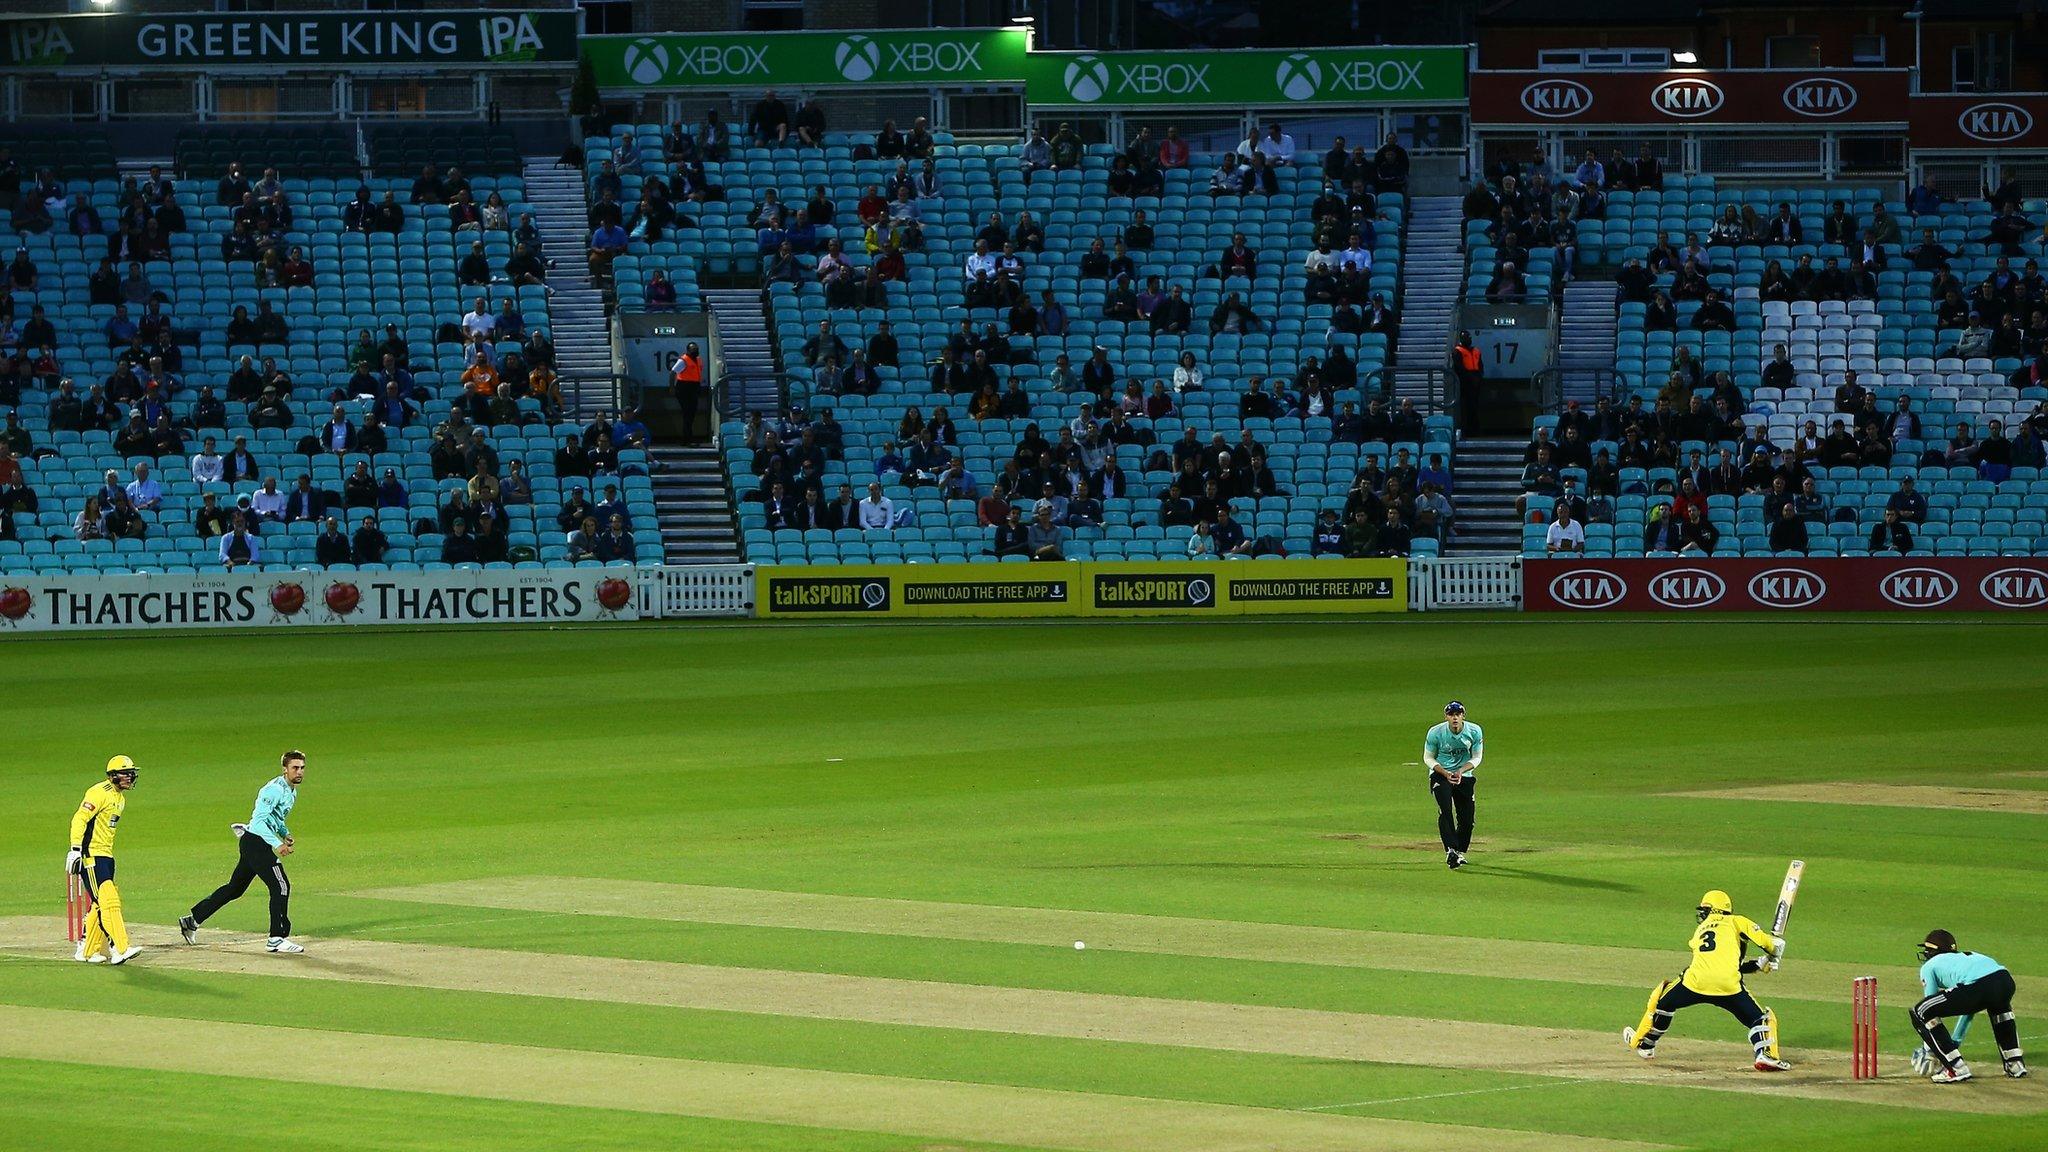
{"x":1994,"y":455}
{"x":1010,"y":537}
{"x":1066,"y":148}
{"x":1042,"y":538}
{"x":1507,"y":286}
{"x":268,"y":504}
{"x":1231,"y":177}
{"x":768,"y":121}
{"x":607,"y":241}
{"x":1036,"y":153}
{"x":1539,"y":478}
{"x":1713,"y":315}
{"x":1173,"y":151}
{"x":1361,"y":534}
{"x":877,"y":512}
{"x":144,"y":492}
{"x":1390,"y":165}
{"x":1894,"y":533}
{"x":1788,"y":531}
{"x":239,"y":546}
{"x":369,"y":545}
{"x":331,"y":547}
{"x":475,"y":267}
{"x":810,"y":123}
{"x":458,"y":546}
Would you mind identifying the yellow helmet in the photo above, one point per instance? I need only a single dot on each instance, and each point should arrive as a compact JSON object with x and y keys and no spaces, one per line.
{"x":1715,"y":901}
{"x":121,"y":764}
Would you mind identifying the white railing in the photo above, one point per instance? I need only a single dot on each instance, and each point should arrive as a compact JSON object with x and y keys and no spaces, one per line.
{"x":1438,"y":582}
{"x":696,"y":590}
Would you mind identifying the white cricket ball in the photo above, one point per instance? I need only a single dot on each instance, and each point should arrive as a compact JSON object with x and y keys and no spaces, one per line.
{"x":1079,"y":945}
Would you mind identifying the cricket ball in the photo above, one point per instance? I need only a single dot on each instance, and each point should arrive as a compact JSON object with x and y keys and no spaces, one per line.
{"x":15,"y":603}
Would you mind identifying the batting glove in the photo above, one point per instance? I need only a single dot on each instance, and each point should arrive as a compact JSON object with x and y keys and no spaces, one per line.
{"x":71,"y":859}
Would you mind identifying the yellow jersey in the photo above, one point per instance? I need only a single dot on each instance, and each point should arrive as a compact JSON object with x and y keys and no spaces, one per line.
{"x":1717,"y":948}
{"x":98,"y":815}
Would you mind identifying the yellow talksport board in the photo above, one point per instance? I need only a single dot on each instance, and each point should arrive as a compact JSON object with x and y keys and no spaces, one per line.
{"x":1108,"y":588}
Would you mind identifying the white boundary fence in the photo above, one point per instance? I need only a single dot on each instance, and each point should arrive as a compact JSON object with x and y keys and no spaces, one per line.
{"x":697,"y":590}
{"x":1439,"y":582}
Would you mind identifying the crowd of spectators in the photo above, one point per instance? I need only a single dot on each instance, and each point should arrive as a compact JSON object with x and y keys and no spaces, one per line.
{"x":152,"y":411}
{"x":1051,"y":486}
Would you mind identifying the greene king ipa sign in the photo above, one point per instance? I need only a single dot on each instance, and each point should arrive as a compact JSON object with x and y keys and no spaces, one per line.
{"x":297,"y":39}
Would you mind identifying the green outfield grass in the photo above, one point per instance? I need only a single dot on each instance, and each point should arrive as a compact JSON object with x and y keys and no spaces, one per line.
{"x":476,"y":791}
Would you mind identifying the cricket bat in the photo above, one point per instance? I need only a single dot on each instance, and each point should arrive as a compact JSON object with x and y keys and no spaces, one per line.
{"x":1786,"y":893}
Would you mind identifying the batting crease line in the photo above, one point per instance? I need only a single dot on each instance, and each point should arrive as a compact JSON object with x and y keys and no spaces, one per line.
{"x":1446,"y":1095}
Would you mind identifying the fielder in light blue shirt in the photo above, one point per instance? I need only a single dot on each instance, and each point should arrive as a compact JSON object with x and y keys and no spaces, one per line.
{"x":1452,"y":751}
{"x":1959,"y":983}
{"x":263,"y":843}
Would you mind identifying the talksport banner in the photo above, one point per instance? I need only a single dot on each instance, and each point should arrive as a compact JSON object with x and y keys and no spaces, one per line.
{"x":295,"y":39}
{"x":1088,"y":588}
{"x":293,"y":599}
{"x":808,"y":60}
{"x":927,"y":58}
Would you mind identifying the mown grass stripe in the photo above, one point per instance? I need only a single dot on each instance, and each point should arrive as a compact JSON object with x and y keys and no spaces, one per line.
{"x":1083,"y":1122}
{"x":2025,"y":801}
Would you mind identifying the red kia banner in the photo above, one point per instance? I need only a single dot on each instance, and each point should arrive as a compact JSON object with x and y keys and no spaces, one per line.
{"x":1708,"y":99}
{"x":1981,"y":121}
{"x":1753,"y":584}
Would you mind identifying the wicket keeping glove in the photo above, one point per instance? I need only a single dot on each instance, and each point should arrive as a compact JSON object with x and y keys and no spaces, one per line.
{"x":71,"y":861}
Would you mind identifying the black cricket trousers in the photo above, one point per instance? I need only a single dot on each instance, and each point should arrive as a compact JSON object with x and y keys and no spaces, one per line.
{"x":1454,"y":807}
{"x":258,"y":861}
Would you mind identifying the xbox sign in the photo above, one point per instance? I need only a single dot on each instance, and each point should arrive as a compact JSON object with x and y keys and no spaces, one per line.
{"x":1087,"y":79}
{"x":1298,"y":77}
{"x":858,"y":58}
{"x":646,"y":61}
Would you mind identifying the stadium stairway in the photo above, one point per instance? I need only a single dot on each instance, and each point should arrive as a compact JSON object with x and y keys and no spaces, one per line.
{"x":746,"y":349}
{"x":694,"y":506}
{"x":1488,"y":475}
{"x":583,"y":345}
{"x":1432,"y":273}
{"x":1586,"y":338}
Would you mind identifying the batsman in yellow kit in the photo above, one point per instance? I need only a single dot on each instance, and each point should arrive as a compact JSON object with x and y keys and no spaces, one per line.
{"x":1715,"y":977}
{"x":92,"y":857}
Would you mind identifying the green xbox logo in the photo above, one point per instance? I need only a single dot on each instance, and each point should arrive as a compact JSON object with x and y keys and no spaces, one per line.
{"x":646,"y":61}
{"x":1087,"y":79}
{"x":1298,"y":76}
{"x":857,"y":58}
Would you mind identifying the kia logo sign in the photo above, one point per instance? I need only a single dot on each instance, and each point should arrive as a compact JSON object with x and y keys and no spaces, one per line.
{"x":1687,"y":99}
{"x":2015,"y":587}
{"x":1588,"y":588}
{"x":1557,"y":99}
{"x":1995,"y":123}
{"x":1820,"y":97}
{"x":1687,"y":588}
{"x":1787,"y":588}
{"x":1918,"y":588}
